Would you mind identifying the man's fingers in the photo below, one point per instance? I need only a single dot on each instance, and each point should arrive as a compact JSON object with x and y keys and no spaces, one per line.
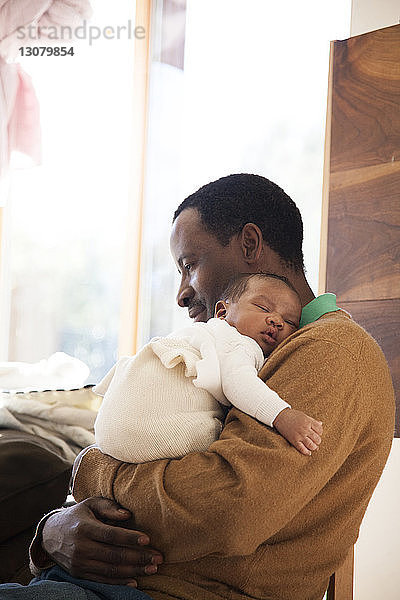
{"x":81,"y":542}
{"x":106,"y":509}
{"x":119,"y":536}
{"x":113,"y":573}
{"x":124,"y":547}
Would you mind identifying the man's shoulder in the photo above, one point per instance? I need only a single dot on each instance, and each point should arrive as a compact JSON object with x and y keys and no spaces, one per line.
{"x":333,"y":355}
{"x":335,"y":340}
{"x":339,"y":329}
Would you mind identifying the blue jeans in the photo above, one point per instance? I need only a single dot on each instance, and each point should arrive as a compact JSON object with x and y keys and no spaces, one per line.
{"x":57,"y":584}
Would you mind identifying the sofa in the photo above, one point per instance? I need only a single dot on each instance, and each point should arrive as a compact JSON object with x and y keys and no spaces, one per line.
{"x":34,"y":479}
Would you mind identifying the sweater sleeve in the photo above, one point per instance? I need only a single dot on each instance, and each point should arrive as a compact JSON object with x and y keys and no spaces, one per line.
{"x":101,"y":388}
{"x":251,"y":482}
{"x":239,"y":357}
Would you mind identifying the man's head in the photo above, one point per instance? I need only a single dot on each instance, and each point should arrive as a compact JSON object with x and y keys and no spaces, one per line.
{"x":237,"y":224}
{"x":263,"y":306}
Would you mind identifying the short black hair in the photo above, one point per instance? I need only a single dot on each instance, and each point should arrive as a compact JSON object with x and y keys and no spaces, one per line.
{"x":226,"y":205}
{"x":237,"y":287}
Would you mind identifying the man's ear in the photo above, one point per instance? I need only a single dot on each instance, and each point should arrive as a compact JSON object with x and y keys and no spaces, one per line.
{"x":251,"y":240}
{"x":220,"y":310}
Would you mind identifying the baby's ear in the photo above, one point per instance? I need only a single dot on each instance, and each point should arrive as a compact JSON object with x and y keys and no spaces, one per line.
{"x":220,"y":310}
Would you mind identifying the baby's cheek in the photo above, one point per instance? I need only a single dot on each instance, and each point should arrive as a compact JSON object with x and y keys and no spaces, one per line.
{"x":285,"y":333}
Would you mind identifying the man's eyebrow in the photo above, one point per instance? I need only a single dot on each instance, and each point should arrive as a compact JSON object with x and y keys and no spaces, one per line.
{"x":183,"y":256}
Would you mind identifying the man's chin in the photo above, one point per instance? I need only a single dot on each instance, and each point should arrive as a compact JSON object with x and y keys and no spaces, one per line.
{"x":201,"y":317}
{"x":198,"y":314}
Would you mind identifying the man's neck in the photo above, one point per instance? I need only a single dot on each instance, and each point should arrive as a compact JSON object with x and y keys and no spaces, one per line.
{"x":271,"y":262}
{"x":303,"y":289}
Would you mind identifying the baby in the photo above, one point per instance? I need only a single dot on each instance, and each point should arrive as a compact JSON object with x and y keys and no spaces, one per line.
{"x":168,"y":399}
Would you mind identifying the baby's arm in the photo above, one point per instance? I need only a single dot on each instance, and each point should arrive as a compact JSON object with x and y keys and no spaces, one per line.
{"x":245,"y":390}
{"x":302,"y":431}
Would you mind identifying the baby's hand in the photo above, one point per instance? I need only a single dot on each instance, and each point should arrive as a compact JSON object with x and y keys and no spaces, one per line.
{"x":302,"y":431}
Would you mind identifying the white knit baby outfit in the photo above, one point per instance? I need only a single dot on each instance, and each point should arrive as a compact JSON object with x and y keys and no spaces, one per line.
{"x":166,"y":400}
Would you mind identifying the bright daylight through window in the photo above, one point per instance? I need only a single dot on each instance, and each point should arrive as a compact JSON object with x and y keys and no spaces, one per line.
{"x":65,"y":220}
{"x":251,"y":97}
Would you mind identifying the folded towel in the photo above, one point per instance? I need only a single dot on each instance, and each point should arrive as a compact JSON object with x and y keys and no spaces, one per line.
{"x":68,"y":428}
{"x":66,"y":418}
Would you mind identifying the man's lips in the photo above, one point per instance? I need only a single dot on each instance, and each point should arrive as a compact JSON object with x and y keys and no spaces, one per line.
{"x":195,"y":311}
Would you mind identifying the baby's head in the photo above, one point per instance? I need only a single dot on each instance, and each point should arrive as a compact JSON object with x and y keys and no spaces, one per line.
{"x":262,"y":306}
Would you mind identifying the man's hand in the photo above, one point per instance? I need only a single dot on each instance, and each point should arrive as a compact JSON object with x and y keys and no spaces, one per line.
{"x":87,"y":541}
{"x":302,"y":431}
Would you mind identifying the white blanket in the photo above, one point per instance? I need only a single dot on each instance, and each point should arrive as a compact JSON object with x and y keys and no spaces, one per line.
{"x":59,"y":371}
{"x":51,"y":415}
{"x":67,"y":427}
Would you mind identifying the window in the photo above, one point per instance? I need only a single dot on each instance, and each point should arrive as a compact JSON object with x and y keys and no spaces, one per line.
{"x":251,"y":97}
{"x":66,"y":220}
{"x":234,"y":87}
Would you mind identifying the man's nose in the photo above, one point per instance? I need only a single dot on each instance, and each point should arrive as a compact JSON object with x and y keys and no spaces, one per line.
{"x":185,"y":294}
{"x":275,"y":319}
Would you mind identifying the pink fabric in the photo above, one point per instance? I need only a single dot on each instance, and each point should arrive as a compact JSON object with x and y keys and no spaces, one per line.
{"x":19,"y":107}
{"x":42,"y":13}
{"x":24,"y":123}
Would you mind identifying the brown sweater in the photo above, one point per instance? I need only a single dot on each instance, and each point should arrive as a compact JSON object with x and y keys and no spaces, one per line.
{"x":252,"y":517}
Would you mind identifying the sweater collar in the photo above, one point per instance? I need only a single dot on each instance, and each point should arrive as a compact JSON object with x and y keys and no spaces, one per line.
{"x":316,"y":308}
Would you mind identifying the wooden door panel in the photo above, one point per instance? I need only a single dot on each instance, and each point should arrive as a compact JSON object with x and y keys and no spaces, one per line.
{"x":364,"y":239}
{"x":365,"y":104}
{"x":362,"y":187}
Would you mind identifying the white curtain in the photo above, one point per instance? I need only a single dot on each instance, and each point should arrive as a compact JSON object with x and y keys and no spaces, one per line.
{"x":19,"y":108}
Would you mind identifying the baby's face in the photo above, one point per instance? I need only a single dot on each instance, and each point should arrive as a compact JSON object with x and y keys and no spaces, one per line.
{"x":268,"y":311}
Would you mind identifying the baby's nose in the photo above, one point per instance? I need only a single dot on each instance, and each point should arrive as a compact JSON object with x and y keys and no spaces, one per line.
{"x":275,"y":319}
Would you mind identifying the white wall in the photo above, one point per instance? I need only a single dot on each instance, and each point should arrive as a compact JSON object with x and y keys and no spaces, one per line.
{"x":377,"y":552}
{"x":367,"y":15}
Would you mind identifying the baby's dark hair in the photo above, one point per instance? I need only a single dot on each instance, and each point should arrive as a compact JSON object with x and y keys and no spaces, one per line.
{"x":237,"y":287}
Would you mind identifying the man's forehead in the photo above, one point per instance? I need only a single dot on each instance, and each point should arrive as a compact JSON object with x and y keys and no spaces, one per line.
{"x":188,"y":220}
{"x":188,"y":246}
{"x":188,"y":234}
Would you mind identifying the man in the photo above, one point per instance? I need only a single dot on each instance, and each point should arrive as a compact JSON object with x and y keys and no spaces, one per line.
{"x":251,"y":517}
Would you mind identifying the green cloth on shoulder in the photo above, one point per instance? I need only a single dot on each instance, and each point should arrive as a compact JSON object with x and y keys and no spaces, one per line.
{"x":316,"y":308}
